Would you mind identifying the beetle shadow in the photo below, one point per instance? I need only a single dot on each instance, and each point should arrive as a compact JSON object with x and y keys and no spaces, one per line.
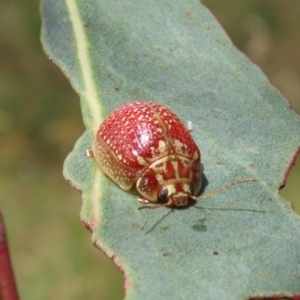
{"x":157,"y":222}
{"x":205,"y":182}
{"x":204,"y":185}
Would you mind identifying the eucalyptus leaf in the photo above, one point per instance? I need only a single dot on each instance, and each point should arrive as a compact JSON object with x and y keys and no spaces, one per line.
{"x":242,"y":242}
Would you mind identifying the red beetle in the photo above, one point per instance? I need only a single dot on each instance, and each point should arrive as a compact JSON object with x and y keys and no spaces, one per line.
{"x":145,"y":144}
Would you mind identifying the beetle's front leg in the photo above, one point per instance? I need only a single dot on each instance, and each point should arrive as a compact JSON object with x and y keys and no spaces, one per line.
{"x":143,"y":200}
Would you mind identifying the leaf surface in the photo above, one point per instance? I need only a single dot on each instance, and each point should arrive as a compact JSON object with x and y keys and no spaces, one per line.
{"x":234,"y":245}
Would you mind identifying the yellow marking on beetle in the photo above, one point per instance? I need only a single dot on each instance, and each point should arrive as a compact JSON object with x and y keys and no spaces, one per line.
{"x":186,"y":188}
{"x":175,"y":166}
{"x":195,"y":155}
{"x":171,"y":188}
{"x":141,"y":160}
{"x":160,"y":151}
{"x":182,"y":194}
{"x":160,"y":168}
{"x":178,"y":146}
{"x":160,"y":179}
{"x":161,"y":147}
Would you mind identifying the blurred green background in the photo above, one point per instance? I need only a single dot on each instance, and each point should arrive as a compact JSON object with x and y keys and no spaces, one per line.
{"x":40,"y":120}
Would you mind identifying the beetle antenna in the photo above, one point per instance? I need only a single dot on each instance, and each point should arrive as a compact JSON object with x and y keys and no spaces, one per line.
{"x":225,"y":187}
{"x":151,"y":207}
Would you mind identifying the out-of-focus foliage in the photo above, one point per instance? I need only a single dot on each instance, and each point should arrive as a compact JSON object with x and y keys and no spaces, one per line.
{"x":40,"y":120}
{"x":267,"y":32}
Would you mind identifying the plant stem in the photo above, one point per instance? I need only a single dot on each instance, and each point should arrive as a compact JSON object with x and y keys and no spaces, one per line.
{"x":8,"y":288}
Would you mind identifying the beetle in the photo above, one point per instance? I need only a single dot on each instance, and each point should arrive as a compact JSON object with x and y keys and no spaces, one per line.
{"x":145,"y":144}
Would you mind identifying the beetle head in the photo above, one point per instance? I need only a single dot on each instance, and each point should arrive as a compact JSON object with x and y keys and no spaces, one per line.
{"x":176,"y":194}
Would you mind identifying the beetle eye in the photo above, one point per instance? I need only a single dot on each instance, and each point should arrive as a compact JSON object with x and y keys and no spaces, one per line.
{"x":163,"y":194}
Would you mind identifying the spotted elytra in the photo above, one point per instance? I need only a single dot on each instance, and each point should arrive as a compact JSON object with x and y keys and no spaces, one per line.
{"x":145,"y":144}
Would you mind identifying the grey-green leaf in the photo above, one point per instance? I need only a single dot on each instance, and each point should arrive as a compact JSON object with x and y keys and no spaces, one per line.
{"x":239,"y":243}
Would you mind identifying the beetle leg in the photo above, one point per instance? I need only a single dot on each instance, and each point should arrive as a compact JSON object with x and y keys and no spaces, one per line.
{"x":189,"y":125}
{"x":143,"y":200}
{"x":89,"y":153}
{"x":156,"y":206}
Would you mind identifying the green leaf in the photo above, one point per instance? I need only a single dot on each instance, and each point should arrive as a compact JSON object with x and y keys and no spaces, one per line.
{"x":234,"y":245}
